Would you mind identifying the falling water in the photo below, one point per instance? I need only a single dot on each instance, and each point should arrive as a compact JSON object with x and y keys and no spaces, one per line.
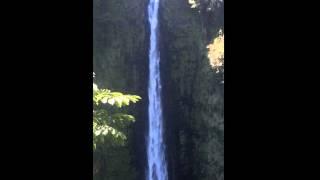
{"x":157,"y":169}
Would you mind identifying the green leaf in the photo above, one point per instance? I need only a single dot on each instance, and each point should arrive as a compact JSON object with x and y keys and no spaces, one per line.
{"x":126,"y":101}
{"x":111,"y":101}
{"x":97,"y":132}
{"x":105,"y":132}
{"x":104,"y":100}
{"x":118,"y":102}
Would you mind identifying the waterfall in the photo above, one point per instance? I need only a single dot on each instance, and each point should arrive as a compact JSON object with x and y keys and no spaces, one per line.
{"x":157,"y":168}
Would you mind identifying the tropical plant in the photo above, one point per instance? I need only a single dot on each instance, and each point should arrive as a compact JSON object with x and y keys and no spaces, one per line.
{"x":107,"y":120}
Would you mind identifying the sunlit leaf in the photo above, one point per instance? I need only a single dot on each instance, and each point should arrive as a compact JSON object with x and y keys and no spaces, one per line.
{"x":111,"y":101}
{"x":97,"y":132}
{"x":106,"y":124}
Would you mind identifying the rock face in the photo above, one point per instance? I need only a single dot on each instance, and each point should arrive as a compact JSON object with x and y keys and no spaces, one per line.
{"x":120,"y":43}
{"x":193,"y":92}
{"x":193,"y":95}
{"x":120,"y":63}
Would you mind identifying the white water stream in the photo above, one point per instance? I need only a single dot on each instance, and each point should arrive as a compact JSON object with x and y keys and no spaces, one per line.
{"x":157,"y":166}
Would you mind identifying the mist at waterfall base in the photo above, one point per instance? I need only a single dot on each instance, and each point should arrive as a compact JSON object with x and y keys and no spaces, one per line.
{"x":157,"y":168}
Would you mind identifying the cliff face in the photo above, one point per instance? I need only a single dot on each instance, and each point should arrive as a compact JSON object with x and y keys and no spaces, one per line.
{"x":193,"y":91}
{"x":120,"y":43}
{"x":120,"y":62}
{"x":193,"y":94}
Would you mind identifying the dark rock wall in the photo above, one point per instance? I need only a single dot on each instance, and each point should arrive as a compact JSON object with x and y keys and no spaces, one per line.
{"x":193,"y":94}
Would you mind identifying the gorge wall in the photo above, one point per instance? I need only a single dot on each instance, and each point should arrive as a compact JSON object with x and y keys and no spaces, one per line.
{"x":193,"y":94}
{"x":193,"y":91}
{"x":120,"y":62}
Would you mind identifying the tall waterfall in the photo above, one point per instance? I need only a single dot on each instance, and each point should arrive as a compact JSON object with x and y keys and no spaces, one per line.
{"x":157,"y":167}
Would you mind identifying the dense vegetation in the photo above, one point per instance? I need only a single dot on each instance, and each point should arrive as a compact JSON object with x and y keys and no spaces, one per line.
{"x":106,"y":123}
{"x":109,"y":126}
{"x":193,"y":89}
{"x":192,"y":66}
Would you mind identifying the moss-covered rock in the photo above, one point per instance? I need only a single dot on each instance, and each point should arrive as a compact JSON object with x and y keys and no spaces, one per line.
{"x":193,"y":92}
{"x":120,"y":60}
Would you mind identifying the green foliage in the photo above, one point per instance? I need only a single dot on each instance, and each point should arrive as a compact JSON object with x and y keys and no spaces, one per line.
{"x":113,"y":98}
{"x":114,"y":163}
{"x":107,"y":121}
